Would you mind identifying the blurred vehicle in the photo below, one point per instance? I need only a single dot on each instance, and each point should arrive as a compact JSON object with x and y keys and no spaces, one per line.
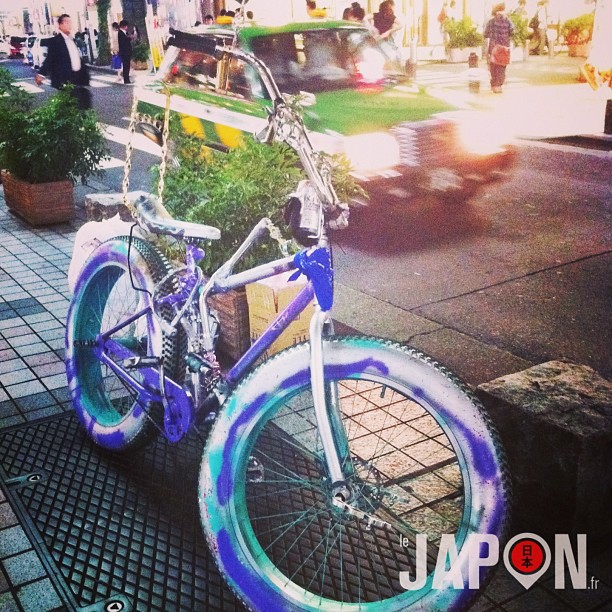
{"x":356,"y":99}
{"x":38,"y":51}
{"x":5,"y":46}
{"x":16,"y":43}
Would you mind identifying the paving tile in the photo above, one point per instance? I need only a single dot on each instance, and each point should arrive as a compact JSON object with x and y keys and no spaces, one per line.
{"x":4,"y":584}
{"x":38,"y":596}
{"x":11,"y":420}
{"x":50,"y":322}
{"x":13,"y":540}
{"x":24,"y":340}
{"x":57,"y":344}
{"x":54,"y":382}
{"x":35,"y":401}
{"x":7,"y":516}
{"x":24,"y":568}
{"x":3,"y":394}
{"x":25,"y":388}
{"x":7,"y":354}
{"x":18,"y":376}
{"x":41,"y":358}
{"x":17,"y":330}
{"x":62,"y":395}
{"x":12,"y":365}
{"x":32,"y":349}
{"x":41,"y":413}
{"x":52,"y":334}
{"x":49,"y":369}
{"x":38,"y":320}
{"x":7,"y":603}
{"x":7,"y":408}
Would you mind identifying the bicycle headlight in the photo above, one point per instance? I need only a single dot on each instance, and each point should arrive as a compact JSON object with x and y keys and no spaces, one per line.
{"x":482,"y":134}
{"x":372,"y":152}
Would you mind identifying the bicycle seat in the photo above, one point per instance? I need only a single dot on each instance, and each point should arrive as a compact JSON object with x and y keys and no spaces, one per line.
{"x":154,"y":217}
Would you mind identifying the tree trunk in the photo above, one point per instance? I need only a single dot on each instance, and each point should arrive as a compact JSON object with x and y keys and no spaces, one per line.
{"x":135,"y":12}
{"x":104,"y":54}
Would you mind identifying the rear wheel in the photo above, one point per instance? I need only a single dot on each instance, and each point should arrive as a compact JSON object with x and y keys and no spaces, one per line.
{"x":116,"y":282}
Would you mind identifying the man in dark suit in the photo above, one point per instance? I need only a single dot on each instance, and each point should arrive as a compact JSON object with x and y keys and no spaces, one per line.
{"x":125,"y":50}
{"x":63,"y":64}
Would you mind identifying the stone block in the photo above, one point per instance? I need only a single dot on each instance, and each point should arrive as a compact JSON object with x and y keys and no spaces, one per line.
{"x":555,"y":420}
{"x":102,"y":206}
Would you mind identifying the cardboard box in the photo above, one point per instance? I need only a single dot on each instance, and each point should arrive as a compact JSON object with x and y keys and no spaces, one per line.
{"x":269,"y":297}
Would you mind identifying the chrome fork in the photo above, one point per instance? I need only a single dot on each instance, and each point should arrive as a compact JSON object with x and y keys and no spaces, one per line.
{"x":327,"y":413}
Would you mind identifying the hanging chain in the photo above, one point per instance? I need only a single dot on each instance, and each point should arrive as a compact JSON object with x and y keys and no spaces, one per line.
{"x":164,"y":149}
{"x":129,"y":150}
{"x":128,"y":159}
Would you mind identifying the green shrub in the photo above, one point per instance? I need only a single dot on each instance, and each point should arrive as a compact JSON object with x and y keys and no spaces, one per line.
{"x":53,"y":142}
{"x":522,"y":31}
{"x":579,"y":30}
{"x":462,"y":33}
{"x":140,"y":52}
{"x":234,"y":190}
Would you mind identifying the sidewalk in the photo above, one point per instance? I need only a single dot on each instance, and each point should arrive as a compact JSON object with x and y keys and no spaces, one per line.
{"x":33,"y":267}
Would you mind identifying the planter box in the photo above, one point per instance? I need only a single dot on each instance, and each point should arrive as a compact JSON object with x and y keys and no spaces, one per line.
{"x":459,"y":56}
{"x":39,"y":204}
{"x":233,"y":312}
{"x":579,"y":50}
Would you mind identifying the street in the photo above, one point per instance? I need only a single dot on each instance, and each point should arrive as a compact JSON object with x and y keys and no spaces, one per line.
{"x":519,"y":274}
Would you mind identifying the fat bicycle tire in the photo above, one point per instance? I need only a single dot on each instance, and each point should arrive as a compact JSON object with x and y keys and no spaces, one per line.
{"x":108,"y":290}
{"x":426,"y":460}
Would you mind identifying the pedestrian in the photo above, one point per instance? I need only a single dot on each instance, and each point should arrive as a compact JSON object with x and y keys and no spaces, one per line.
{"x":209,"y":20}
{"x":63,"y":64}
{"x":539,"y":23}
{"x":498,"y":31}
{"x":125,"y":49}
{"x":384,"y":24}
{"x":114,"y":44}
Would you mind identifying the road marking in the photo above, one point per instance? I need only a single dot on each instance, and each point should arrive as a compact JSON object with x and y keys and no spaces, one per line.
{"x":29,"y":87}
{"x":139,"y":141}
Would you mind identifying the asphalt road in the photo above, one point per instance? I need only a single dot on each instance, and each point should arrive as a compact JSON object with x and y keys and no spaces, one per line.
{"x":518,"y":275}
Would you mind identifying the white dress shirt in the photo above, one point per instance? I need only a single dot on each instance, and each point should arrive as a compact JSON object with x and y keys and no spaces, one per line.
{"x":75,"y":56}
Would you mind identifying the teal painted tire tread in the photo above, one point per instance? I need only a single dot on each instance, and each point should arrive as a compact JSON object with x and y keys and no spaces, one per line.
{"x":426,"y":460}
{"x":104,"y":295}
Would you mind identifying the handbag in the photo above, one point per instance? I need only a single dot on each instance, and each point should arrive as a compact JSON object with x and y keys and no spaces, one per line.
{"x":116,"y":62}
{"x":500,"y":55}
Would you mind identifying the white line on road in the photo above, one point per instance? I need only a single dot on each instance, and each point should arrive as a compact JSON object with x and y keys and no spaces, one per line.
{"x":139,"y":141}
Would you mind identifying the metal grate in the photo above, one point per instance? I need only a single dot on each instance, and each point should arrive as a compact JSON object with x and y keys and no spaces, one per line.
{"x":114,"y":525}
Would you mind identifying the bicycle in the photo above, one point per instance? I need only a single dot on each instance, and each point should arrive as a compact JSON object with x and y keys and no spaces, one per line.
{"x":324,"y":463}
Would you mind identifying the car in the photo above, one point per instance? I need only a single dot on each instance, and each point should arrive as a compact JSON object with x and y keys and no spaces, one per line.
{"x":16,"y":43}
{"x":5,"y":46}
{"x":38,"y":51}
{"x":356,"y":99}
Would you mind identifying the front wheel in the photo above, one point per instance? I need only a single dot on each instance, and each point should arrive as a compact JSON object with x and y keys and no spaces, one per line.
{"x":423,"y":460}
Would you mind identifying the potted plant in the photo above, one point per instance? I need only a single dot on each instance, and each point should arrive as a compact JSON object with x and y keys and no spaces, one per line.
{"x":577,"y":33}
{"x":463,"y":39}
{"x":520,"y":37}
{"x":140,"y":55}
{"x":43,"y":151}
{"x":233,"y":191}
